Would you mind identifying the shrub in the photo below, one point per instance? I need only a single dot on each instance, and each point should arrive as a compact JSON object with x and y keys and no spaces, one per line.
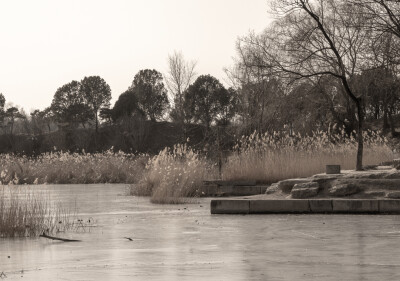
{"x":174,"y":175}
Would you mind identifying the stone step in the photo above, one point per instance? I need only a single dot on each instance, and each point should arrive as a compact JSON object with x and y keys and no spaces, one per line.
{"x":224,"y":190}
{"x":305,"y":206}
{"x":230,"y":183}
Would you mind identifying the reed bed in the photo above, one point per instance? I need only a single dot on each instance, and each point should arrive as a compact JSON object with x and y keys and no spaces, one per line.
{"x":268,"y":158}
{"x":24,"y":213}
{"x":174,"y":175}
{"x":72,"y":168}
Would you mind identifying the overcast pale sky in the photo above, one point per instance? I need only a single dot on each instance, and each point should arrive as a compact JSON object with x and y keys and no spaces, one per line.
{"x":47,"y":43}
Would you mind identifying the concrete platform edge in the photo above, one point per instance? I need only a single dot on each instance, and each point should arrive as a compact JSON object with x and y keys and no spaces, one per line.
{"x":305,"y":206}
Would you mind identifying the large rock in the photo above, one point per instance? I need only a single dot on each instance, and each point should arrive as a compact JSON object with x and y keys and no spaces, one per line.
{"x":272,"y":188}
{"x":394,"y":195}
{"x":325,"y":181}
{"x":343,"y":189}
{"x":375,"y":193}
{"x":304,"y":190}
{"x":389,"y":184}
{"x":287,"y":185}
{"x":392,"y":175}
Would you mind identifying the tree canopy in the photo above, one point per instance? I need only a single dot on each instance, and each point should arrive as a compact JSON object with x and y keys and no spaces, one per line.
{"x":68,"y":105}
{"x":208,"y":100}
{"x":126,"y":105}
{"x":150,"y":92}
{"x":96,"y":94}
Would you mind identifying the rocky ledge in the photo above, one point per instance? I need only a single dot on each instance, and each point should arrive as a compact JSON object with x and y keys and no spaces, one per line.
{"x":378,"y":183}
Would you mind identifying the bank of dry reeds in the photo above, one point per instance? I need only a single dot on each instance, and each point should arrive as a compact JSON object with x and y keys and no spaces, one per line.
{"x":25,"y":213}
{"x":269,"y":158}
{"x":72,"y":168}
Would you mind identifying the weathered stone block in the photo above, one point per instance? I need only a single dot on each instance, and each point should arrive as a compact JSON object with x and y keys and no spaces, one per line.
{"x":355,"y":206}
{"x":389,"y":184}
{"x":332,"y":169}
{"x":394,"y":195}
{"x":343,"y":189}
{"x":305,"y":190}
{"x":279,"y":206}
{"x":287,"y":185}
{"x":229,"y":206}
{"x":392,"y":175}
{"x":325,"y":182}
{"x":374,"y":194}
{"x":320,"y":205}
{"x":272,"y":188}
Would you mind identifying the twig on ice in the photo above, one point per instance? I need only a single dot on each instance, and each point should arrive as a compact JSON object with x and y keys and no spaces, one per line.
{"x":44,"y":235}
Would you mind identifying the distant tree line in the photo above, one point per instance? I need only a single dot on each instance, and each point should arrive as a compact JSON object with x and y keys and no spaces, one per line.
{"x":321,"y":65}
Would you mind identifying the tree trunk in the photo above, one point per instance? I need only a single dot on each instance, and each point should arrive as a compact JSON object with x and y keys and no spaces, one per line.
{"x":97,"y":122}
{"x":181,"y":120}
{"x":392,"y":127}
{"x":261,"y":115}
{"x":376,"y":113}
{"x":360,"y":137}
{"x":385,"y":125}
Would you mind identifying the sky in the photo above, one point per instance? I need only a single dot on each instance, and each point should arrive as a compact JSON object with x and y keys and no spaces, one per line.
{"x":45,"y":44}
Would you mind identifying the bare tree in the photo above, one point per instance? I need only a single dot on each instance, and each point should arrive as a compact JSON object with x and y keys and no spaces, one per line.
{"x":382,"y":21}
{"x":181,"y":74}
{"x":312,"y":39}
{"x":383,"y":15}
{"x":259,"y":92}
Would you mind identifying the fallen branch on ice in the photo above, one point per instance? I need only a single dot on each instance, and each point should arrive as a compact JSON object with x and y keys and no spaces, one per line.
{"x":44,"y":235}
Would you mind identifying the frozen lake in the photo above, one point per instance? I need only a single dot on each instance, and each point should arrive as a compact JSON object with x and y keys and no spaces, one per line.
{"x":186,"y":242}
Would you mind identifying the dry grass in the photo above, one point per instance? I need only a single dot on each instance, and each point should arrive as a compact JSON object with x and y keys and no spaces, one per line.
{"x":272,"y":157}
{"x":174,"y":175}
{"x":72,"y":168}
{"x":26,"y":213}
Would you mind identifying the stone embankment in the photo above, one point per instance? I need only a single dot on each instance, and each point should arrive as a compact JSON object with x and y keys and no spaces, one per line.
{"x":372,"y":191}
{"x":220,"y":188}
{"x":382,"y":182}
{"x":305,"y":206}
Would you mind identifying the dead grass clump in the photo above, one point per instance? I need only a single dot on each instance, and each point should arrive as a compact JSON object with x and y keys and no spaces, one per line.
{"x":26,"y":213}
{"x":174,"y":175}
{"x":269,"y":158}
{"x":72,"y":168}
